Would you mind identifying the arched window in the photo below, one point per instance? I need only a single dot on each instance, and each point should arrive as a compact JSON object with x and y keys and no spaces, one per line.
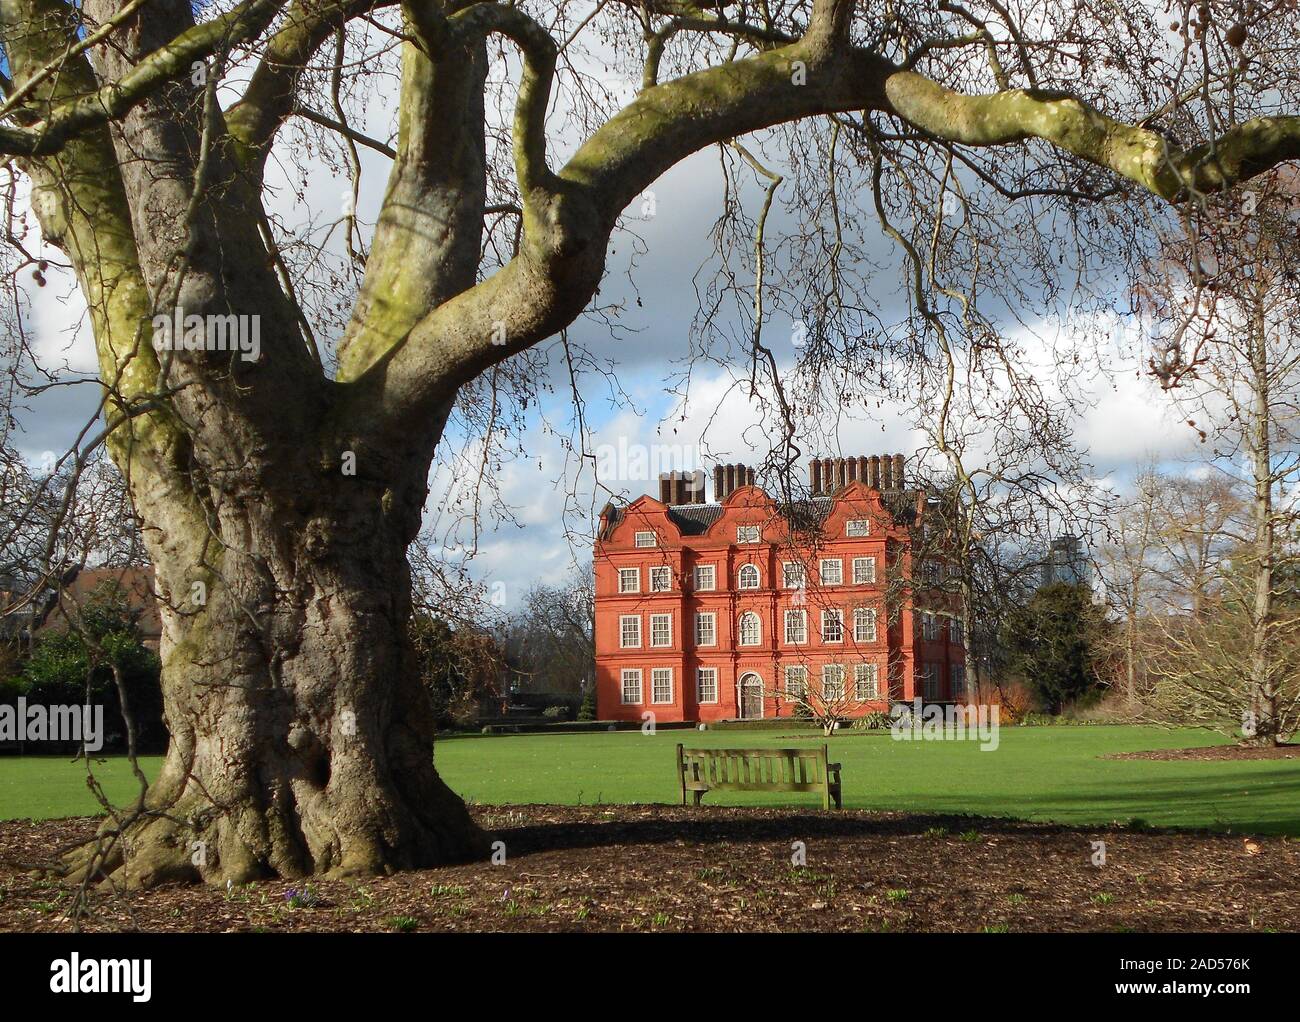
{"x":748,"y":578}
{"x":751,"y":630}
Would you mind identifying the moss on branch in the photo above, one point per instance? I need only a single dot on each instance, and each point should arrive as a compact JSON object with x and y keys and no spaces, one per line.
{"x":1139,"y":154}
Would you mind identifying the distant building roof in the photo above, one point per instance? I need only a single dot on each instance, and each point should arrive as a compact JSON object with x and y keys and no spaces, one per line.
{"x":137,"y":585}
{"x":695,"y":519}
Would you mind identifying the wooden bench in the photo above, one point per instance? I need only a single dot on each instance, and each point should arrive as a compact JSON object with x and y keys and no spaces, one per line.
{"x":701,"y":770}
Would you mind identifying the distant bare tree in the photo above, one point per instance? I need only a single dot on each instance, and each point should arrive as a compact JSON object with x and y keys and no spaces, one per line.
{"x":551,"y":638}
{"x":1126,"y":559}
{"x":1237,"y":373}
{"x":827,"y":699}
{"x":1198,"y":518}
{"x":54,"y":523}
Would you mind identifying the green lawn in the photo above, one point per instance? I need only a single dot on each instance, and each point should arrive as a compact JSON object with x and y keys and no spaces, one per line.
{"x":1037,"y":773}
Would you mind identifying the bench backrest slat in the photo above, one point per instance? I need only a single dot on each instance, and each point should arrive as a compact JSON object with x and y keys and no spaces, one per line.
{"x":776,"y":769}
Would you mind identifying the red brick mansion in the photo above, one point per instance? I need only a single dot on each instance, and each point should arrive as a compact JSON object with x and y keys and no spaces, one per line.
{"x":740,"y":608}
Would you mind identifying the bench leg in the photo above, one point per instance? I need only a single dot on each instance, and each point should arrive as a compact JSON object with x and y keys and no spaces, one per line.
{"x":698,"y":795}
{"x":681,"y":770}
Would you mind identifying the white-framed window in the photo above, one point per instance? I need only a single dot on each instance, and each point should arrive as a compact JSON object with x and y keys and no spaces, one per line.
{"x":706,"y":684}
{"x":661,"y":685}
{"x":833,"y":625}
{"x":749,"y":533}
{"x":856,"y":527}
{"x":930,"y":682}
{"x":751,"y":629}
{"x":661,"y":579}
{"x":747,"y":577}
{"x":866,"y":682}
{"x":864,"y":624}
{"x":631,"y":686}
{"x":644,"y":539}
{"x":661,"y":629}
{"x":796,"y":626}
{"x":956,"y":631}
{"x":796,"y":682}
{"x":706,"y":578}
{"x":929,"y":627}
{"x":793,"y":575}
{"x":832,"y":571}
{"x":864,"y":571}
{"x":958,"y":680}
{"x":629,"y":631}
{"x":930,"y":573}
{"x":706,"y":629}
{"x":629,"y":580}
{"x":832,"y":682}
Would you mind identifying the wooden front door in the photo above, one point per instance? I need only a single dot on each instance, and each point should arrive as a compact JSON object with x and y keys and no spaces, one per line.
{"x":751,"y":697}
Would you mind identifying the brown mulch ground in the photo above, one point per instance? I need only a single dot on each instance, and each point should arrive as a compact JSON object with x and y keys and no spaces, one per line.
{"x":664,"y":868}
{"x":1216,"y":752}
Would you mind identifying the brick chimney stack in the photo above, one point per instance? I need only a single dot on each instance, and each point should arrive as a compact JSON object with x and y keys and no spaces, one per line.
{"x":880,"y":472}
{"x":729,"y":478}
{"x":676,"y":488}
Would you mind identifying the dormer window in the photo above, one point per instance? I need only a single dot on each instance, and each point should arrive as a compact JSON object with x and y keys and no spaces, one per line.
{"x":644,"y":539}
{"x":748,"y":534}
{"x":856,"y":527}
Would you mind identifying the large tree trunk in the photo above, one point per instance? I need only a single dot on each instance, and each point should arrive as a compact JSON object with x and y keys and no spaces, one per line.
{"x":301,"y":734}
